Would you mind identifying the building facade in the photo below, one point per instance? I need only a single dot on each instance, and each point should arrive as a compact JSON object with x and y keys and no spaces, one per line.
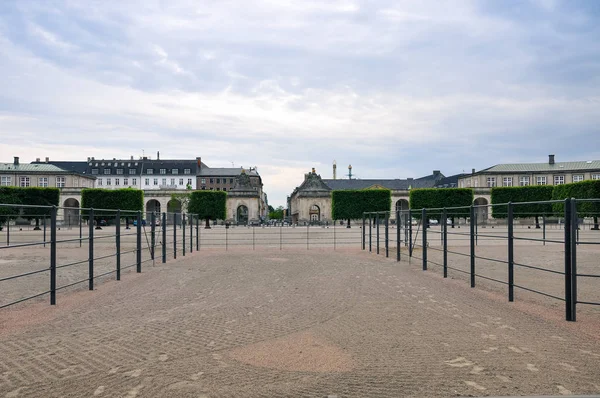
{"x":42,"y":175}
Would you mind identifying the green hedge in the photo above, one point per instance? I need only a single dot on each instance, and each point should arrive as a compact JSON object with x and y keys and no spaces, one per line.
{"x":208,"y":205}
{"x":579,"y":190}
{"x":32,"y":196}
{"x":111,"y":200}
{"x":502,"y":195}
{"x":428,"y":198}
{"x":351,"y":204}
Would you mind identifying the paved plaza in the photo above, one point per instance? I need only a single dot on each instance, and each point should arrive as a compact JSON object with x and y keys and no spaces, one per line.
{"x":293,"y":323}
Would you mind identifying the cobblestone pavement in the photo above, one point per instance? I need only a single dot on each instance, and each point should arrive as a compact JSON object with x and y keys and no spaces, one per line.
{"x":292,"y":323}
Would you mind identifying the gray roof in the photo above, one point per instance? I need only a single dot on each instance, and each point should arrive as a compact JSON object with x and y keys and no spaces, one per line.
{"x":139,"y":166}
{"x":28,"y":167}
{"x":224,"y":171}
{"x":543,"y":167}
{"x":449,"y":182}
{"x":393,"y":184}
{"x":76,"y":167}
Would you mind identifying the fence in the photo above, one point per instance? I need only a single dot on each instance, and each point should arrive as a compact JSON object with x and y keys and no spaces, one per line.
{"x":561,"y":263}
{"x":105,"y":243}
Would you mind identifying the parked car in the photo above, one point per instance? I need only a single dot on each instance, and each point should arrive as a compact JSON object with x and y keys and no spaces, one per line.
{"x":135,"y":223}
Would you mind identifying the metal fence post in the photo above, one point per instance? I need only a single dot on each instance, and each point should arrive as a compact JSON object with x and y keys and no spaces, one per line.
{"x":568,"y":258}
{"x":152,"y":234}
{"x":387,"y":234}
{"x":307,"y":235}
{"x":52,"y":254}
{"x":44,"y":231}
{"x":334,"y":246}
{"x":226,"y":239}
{"x":91,"y":250}
{"x":174,"y":237}
{"x":80,"y":229}
{"x":445,"y":241}
{"x":164,"y":237}
{"x":191,"y":233}
{"x":377,"y":226}
{"x":410,"y":245}
{"x":280,"y":236}
{"x":511,"y":254}
{"x":118,"y":243}
{"x":183,"y":232}
{"x":398,"y":215}
{"x":473,"y":222}
{"x":197,"y":233}
{"x":574,"y":230}
{"x":363,"y":232}
{"x":544,"y":229}
{"x":370,"y":233}
{"x":424,"y":237}
{"x":139,"y":242}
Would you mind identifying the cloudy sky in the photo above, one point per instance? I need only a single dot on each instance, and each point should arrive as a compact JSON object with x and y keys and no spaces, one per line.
{"x":396,"y":88}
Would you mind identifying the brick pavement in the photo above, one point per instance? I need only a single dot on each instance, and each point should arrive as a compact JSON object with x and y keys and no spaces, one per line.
{"x":292,"y":323}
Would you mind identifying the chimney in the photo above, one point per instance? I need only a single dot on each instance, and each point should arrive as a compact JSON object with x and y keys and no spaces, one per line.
{"x":550,"y":159}
{"x":37,"y":160}
{"x":93,"y":158}
{"x":199,"y":162}
{"x":409,"y":179}
{"x":334,"y":170}
{"x":436,"y":172}
{"x":472,"y":171}
{"x":16,"y":161}
{"x":47,"y":159}
{"x":157,"y":155}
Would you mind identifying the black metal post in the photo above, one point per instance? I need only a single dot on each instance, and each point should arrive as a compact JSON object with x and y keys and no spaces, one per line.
{"x":52,"y":254}
{"x":544,"y":229}
{"x":387,"y":234}
{"x":307,"y":234}
{"x":334,"y":237}
{"x":197,"y":233}
{"x":377,"y":226}
{"x":191,"y":233}
{"x":398,"y":215}
{"x":424,"y":237}
{"x":410,"y":245}
{"x":139,"y":242}
{"x":281,"y":236}
{"x":164,"y":237}
{"x":80,"y":229}
{"x":568,"y":246}
{"x":445,"y":241}
{"x":476,"y":216}
{"x":44,"y":231}
{"x":152,"y":235}
{"x":363,"y":232}
{"x":574,"y":230}
{"x":511,"y":254}
{"x":473,"y":245}
{"x":91,"y":250}
{"x":253,"y":238}
{"x":183,"y":231}
{"x":174,"y":236}
{"x":118,"y":243}
{"x":227,"y":238}
{"x":370,"y":233}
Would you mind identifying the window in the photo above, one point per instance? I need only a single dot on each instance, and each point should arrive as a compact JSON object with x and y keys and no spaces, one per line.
{"x":99,"y":182}
{"x":149,"y":171}
{"x":172,"y":181}
{"x":218,"y":180}
{"x":524,"y":181}
{"x":106,"y":171}
{"x":577,"y":177}
{"x":164,"y":181}
{"x":109,"y":164}
{"x":559,"y":180}
{"x":595,"y":176}
{"x":156,"y":181}
{"x":60,"y":182}
{"x":175,"y":171}
{"x":476,"y":182}
{"x":43,"y":182}
{"x":491,"y":181}
{"x":181,"y":181}
{"x":117,"y":181}
{"x":163,"y":171}
{"x":131,"y":171}
{"x":119,"y":171}
{"x":94,"y":171}
{"x":187,"y":171}
{"x":203,"y":181}
{"x":541,"y":180}
{"x":102,"y":164}
{"x":147,"y":182}
{"x":189,"y":181}
{"x":507,"y":182}
{"x":212,"y":180}
{"x":125,"y":181}
{"x":218,"y":189}
{"x":24,"y":182}
{"x":134,"y":181}
{"x":231,"y":180}
{"x":203,"y":188}
{"x":108,"y":181}
{"x":6,"y":181}
{"x":224,"y":189}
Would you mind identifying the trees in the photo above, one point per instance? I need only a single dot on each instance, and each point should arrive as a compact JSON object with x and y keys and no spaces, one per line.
{"x":539,"y":193}
{"x":579,"y":190}
{"x":31,"y":196}
{"x":276,"y":214}
{"x":352,"y":203}
{"x":438,"y":198}
{"x":208,"y":205}
{"x":9,"y":195}
{"x":106,"y":201}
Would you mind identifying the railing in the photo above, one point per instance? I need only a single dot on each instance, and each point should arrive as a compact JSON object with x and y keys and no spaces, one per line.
{"x":498,"y":251}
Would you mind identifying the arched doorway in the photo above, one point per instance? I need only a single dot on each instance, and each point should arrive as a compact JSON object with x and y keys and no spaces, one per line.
{"x":71,"y":212}
{"x":242,"y":215}
{"x":314,"y":213}
{"x":481,"y":212}
{"x":152,"y":206}
{"x":174,"y":212}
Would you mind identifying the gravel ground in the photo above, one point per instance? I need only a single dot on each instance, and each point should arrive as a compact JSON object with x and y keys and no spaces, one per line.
{"x":293,"y":323}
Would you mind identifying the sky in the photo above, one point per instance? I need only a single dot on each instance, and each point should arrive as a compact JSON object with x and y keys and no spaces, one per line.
{"x":395,"y":88}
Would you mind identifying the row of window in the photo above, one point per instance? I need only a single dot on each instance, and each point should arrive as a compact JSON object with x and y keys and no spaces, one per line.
{"x":148,"y":171}
{"x":110,"y":164}
{"x":25,"y":182}
{"x":540,"y":180}
{"x":212,"y":180}
{"x":155,"y":181}
{"x":215,"y":189}
{"x":117,"y":181}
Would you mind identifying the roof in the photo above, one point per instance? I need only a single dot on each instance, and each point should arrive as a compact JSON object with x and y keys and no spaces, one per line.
{"x":76,"y":167}
{"x":393,"y":184}
{"x":28,"y":167}
{"x":137,"y":166}
{"x":449,"y":182}
{"x":224,"y":171}
{"x":543,"y":167}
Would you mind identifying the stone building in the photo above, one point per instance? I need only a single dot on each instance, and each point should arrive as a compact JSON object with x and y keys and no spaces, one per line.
{"x":244,"y":201}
